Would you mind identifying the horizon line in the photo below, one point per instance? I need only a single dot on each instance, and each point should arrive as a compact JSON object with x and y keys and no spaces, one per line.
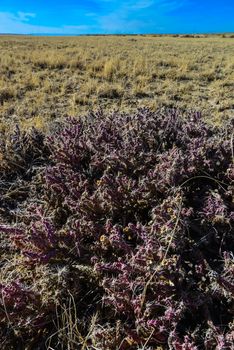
{"x":116,"y":34}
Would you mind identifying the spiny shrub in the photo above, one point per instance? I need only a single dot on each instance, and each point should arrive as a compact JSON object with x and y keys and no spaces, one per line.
{"x":132,"y":218}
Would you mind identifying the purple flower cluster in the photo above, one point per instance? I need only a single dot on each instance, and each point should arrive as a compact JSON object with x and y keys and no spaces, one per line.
{"x":143,"y":205}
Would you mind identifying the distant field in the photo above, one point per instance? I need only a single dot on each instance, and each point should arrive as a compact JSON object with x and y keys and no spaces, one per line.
{"x":47,"y":78}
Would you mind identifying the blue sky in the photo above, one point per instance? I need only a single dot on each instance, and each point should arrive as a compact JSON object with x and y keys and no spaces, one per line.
{"x":116,"y":16}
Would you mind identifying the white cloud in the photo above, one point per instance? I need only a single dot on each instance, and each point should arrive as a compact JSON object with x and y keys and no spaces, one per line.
{"x":11,"y":23}
{"x":143,"y":4}
{"x":115,"y":24}
{"x":136,"y":16}
{"x":116,"y":17}
{"x":25,"y":16}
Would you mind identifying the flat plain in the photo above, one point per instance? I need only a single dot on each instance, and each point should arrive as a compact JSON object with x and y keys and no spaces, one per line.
{"x":116,"y":229}
{"x":47,"y":78}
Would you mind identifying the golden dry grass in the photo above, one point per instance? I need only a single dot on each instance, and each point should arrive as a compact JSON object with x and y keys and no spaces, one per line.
{"x":45,"y":78}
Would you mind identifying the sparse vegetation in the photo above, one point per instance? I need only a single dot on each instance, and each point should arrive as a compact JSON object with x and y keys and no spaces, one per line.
{"x":49,"y":78}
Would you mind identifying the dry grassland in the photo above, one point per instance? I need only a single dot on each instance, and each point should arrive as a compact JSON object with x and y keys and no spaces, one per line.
{"x":44,"y":79}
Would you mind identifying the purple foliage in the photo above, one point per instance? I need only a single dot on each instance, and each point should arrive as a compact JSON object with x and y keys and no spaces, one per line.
{"x":145,"y":201}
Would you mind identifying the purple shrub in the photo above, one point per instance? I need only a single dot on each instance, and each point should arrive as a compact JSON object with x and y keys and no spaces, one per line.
{"x":17,"y":299}
{"x":140,"y":206}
